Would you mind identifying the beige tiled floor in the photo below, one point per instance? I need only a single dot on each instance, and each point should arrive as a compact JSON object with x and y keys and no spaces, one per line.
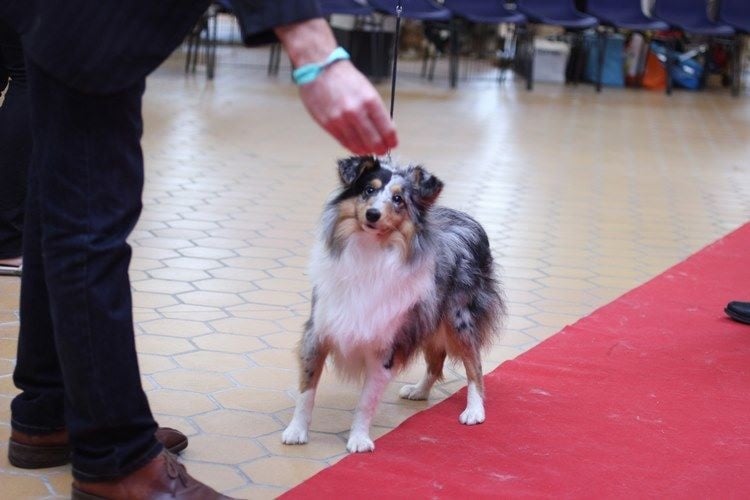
{"x":584,"y":197}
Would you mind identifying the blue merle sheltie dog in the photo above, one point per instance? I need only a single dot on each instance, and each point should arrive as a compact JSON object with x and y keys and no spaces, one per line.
{"x":393,"y":274}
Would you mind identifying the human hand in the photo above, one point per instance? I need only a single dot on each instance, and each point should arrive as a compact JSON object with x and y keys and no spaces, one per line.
{"x":343,"y":102}
{"x":340,"y":99}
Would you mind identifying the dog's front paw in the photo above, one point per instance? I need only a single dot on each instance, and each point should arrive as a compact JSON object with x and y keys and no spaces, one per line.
{"x":294,"y":434}
{"x":359,"y":443}
{"x":472,"y":415}
{"x":413,"y":392}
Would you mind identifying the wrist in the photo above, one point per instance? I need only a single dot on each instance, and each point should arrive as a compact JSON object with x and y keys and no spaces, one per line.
{"x":307,"y":42}
{"x":308,"y":73}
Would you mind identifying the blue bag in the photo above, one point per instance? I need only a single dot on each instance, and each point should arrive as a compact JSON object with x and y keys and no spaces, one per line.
{"x":613,"y":69}
{"x":685,"y":71}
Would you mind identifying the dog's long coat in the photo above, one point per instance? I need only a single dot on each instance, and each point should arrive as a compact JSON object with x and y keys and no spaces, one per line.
{"x":392,"y":275}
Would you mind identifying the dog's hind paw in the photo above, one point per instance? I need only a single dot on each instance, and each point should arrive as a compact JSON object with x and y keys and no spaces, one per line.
{"x":294,"y":434}
{"x":359,"y":444}
{"x":413,"y":392}
{"x":472,"y":415}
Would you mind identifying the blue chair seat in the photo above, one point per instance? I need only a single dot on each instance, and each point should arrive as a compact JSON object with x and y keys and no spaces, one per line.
{"x":700,"y":27}
{"x":556,"y":14}
{"x":626,"y":18}
{"x":690,"y":16}
{"x":350,"y":7}
{"x":421,"y":10}
{"x":736,"y":13}
{"x":483,"y":11}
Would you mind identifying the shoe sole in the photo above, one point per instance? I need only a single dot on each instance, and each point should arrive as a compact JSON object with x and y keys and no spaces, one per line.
{"x":36,"y":457}
{"x":737,"y":317}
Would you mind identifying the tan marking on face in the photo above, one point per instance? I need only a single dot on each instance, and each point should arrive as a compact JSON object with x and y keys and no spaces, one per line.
{"x":347,"y":210}
{"x":376,"y":183}
{"x":402,"y":237}
{"x":347,"y":223}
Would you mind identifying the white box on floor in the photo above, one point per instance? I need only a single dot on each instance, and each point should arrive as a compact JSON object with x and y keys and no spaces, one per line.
{"x":550,"y":60}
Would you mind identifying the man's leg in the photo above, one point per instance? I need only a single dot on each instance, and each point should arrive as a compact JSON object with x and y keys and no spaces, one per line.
{"x":86,"y":183}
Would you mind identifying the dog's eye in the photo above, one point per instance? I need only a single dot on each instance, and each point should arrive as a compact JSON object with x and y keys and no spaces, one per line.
{"x":369,"y":190}
{"x":397,"y":199}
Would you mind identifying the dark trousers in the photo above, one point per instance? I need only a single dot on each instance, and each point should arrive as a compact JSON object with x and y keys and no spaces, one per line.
{"x":77,"y":365}
{"x":15,"y":142}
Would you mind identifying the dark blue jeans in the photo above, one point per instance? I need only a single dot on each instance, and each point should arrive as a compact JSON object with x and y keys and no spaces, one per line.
{"x":77,"y":365}
{"x":15,"y":142}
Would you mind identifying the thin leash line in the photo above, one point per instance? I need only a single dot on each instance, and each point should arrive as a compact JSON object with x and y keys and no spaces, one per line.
{"x":399,"y":9}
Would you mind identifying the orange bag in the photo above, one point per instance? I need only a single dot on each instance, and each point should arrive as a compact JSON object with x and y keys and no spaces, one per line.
{"x":654,"y":74}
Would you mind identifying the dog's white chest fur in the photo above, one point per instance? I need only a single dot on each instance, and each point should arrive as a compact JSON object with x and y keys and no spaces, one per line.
{"x":364,"y":295}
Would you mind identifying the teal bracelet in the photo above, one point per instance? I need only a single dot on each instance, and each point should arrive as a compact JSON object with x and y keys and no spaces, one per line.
{"x":307,"y":73}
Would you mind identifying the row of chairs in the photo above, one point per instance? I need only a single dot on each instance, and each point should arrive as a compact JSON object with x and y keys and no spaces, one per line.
{"x":688,"y":16}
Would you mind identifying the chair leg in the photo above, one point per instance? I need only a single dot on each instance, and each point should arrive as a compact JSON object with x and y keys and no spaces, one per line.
{"x":581,"y":59}
{"x":433,"y":62}
{"x":736,"y":65}
{"x":525,"y":53}
{"x":274,"y":59}
{"x":425,"y":60}
{"x":189,"y":54}
{"x":196,"y":50}
{"x":671,"y":48}
{"x":530,"y":69}
{"x":213,"y":35}
{"x":269,"y":70}
{"x":453,"y":58}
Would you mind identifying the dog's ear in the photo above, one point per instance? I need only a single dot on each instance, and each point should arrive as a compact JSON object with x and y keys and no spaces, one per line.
{"x":350,"y":169}
{"x":427,"y":187}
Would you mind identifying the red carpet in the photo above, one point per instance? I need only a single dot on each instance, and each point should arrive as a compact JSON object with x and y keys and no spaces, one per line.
{"x":648,"y":396}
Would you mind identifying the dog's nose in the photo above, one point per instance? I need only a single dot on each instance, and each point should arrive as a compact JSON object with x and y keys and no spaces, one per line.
{"x":372,"y":214}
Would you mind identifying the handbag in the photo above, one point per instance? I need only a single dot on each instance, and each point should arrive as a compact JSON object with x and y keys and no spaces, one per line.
{"x":654,"y":74}
{"x":685,"y":71}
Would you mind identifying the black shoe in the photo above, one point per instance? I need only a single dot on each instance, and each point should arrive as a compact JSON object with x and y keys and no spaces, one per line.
{"x":739,"y":311}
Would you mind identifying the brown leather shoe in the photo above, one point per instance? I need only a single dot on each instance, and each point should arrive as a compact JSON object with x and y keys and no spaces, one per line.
{"x":51,"y":450}
{"x":163,"y":477}
{"x":37,"y":452}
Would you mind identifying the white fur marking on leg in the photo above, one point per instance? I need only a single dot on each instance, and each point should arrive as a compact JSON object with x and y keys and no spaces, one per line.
{"x":375,"y":382}
{"x":359,"y":443}
{"x":297,"y":430}
{"x":474,"y":412}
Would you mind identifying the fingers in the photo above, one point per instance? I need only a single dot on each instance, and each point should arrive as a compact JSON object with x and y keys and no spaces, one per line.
{"x":368,"y":128}
{"x":383,"y":125}
{"x":349,"y":137}
{"x":350,"y":109}
{"x":367,"y":132}
{"x":355,"y":130}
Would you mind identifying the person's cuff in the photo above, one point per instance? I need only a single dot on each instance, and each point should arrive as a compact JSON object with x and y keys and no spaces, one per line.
{"x":257,"y":19}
